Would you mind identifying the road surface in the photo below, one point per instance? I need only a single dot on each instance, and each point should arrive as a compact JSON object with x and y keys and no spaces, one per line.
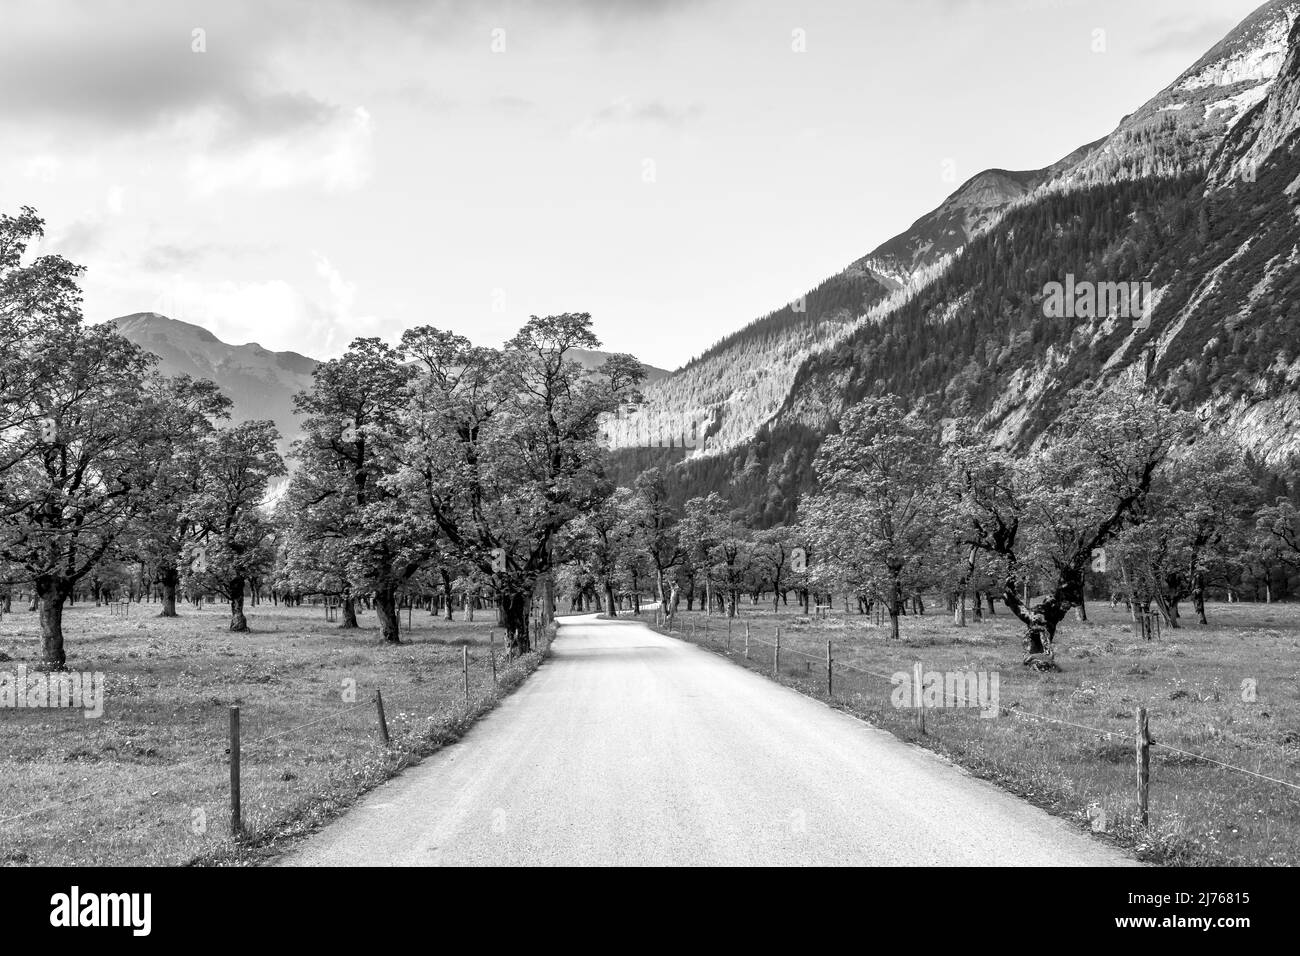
{"x":629,"y":747}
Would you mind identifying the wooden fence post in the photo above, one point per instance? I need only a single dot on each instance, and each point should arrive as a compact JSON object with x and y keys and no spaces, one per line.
{"x":918,"y":698}
{"x":746,"y":640}
{"x":492,"y":650}
{"x":383,"y":722}
{"x":236,"y":817}
{"x":464,"y":666}
{"x":830,"y":685}
{"x":776,"y":655}
{"x":1143,"y":763}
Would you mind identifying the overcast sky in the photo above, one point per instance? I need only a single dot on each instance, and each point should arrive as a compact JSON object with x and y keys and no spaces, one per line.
{"x":340,"y":168}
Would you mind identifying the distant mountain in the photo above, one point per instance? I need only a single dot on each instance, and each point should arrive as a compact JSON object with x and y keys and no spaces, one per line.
{"x":259,"y":382}
{"x":592,"y":359}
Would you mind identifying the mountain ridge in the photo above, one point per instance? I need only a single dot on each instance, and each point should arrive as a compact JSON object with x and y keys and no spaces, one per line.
{"x":260,"y":382}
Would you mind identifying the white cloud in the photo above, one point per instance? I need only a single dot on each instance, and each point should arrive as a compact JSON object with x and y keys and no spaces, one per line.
{"x":42,"y":167}
{"x":333,"y":156}
{"x":344,"y":324}
{"x":623,"y":112}
{"x":342,"y":292}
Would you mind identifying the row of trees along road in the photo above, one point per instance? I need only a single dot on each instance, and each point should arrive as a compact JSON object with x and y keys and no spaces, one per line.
{"x":1121,"y":489}
{"x":1123,"y":493}
{"x":421,"y":461}
{"x":438,"y":455}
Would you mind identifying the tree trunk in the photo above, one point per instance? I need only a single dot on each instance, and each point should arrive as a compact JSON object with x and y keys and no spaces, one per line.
{"x":169,"y":578}
{"x":349,"y":613}
{"x":238,"y":623}
{"x":386,"y":611}
{"x":547,"y":609}
{"x":1168,"y":609}
{"x":446,"y":592}
{"x":1128,"y":589}
{"x":515,"y":609}
{"x":610,"y":608}
{"x":895,"y":609}
{"x":1040,"y":621}
{"x":51,"y":597}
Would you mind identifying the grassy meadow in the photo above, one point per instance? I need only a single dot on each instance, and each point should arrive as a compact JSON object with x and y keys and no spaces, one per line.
{"x":148,"y":782}
{"x":1076,"y":757}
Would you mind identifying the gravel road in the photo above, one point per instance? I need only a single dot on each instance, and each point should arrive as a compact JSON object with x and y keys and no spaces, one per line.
{"x":630,"y":748}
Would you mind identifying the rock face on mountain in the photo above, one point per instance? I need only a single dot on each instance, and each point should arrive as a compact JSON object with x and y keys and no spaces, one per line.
{"x":1269,"y":129}
{"x":1197,"y":193}
{"x":1184,"y":124}
{"x":259,"y":382}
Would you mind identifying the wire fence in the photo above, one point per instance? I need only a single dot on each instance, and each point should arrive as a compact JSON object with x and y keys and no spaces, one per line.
{"x":251,"y":771}
{"x":944,"y":711}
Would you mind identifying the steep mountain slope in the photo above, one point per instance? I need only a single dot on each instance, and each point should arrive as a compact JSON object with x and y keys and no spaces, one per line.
{"x":975,"y":206}
{"x":1265,"y":132}
{"x":259,"y":382}
{"x":1183,"y":125}
{"x":1213,"y":226}
{"x":722,"y":399}
{"x":719,"y":399}
{"x":1222,"y":256}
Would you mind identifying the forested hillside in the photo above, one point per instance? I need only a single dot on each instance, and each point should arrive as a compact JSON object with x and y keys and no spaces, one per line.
{"x":1216,"y":234}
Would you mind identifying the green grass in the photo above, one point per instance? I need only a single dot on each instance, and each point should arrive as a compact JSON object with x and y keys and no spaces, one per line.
{"x":1190,"y":681}
{"x":148,"y":782}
